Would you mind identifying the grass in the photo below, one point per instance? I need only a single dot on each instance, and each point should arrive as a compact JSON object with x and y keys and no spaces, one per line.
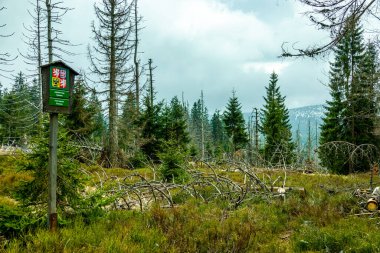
{"x":324,"y":220}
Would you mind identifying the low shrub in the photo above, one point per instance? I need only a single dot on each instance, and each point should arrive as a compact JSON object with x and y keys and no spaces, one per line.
{"x":172,"y":167}
{"x":14,"y":220}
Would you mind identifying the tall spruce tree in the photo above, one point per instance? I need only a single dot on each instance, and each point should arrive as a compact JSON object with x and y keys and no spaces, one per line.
{"x":275,"y":126}
{"x":234,"y":124}
{"x":351,"y":113}
{"x":150,"y":121}
{"x":367,"y":108}
{"x":332,"y":127}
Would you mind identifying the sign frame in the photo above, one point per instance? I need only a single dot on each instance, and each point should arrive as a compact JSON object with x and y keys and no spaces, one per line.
{"x":57,"y":99}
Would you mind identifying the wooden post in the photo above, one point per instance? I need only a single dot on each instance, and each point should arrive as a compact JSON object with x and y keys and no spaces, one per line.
{"x":58,"y":83}
{"x":52,"y":202}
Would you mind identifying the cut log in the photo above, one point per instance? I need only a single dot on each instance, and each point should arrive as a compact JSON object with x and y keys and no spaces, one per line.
{"x":371,"y":205}
{"x":283,"y":190}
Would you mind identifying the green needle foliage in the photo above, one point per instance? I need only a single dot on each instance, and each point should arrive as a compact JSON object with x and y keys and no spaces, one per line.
{"x":19,"y":112}
{"x":175,"y":125}
{"x":172,"y":167}
{"x":86,"y":121}
{"x":151,"y":129}
{"x":275,"y":126}
{"x":218,"y":135}
{"x":234,"y":124}
{"x":175,"y":146}
{"x":71,"y":197}
{"x":69,"y":182}
{"x":351,"y":113}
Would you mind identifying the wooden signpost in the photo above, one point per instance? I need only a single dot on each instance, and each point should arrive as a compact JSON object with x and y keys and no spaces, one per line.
{"x":57,"y":93}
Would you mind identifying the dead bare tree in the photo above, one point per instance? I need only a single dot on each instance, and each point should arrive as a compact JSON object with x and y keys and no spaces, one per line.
{"x":336,"y":17}
{"x":35,"y":40}
{"x":56,"y":45}
{"x":151,"y":81}
{"x":137,"y":67}
{"x":135,"y":191}
{"x":5,"y":58}
{"x":110,"y":58}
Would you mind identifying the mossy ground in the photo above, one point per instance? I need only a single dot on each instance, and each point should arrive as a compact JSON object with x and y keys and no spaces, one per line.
{"x":326,"y":219}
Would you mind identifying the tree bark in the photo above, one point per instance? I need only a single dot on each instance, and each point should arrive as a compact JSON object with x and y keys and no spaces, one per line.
{"x":113,"y":138}
{"x":136,"y":61}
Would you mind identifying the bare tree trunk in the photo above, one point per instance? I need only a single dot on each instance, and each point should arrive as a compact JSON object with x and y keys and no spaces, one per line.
{"x":39,"y":59}
{"x":136,"y":61}
{"x":50,"y":40}
{"x":151,"y":82}
{"x":202,"y":127}
{"x":113,"y":138}
{"x":39,"y":47}
{"x":309,"y":143}
{"x":113,"y":52}
{"x":256,"y":130}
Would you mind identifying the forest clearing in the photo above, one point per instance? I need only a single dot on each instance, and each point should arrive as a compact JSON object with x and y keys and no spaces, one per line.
{"x":211,"y":216}
{"x":164,"y":126}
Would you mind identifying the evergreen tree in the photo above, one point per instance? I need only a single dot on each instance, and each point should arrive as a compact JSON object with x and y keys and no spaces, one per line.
{"x":80,"y":121}
{"x":85,"y":125}
{"x":218,"y":134}
{"x":98,"y":123}
{"x":151,"y":128}
{"x":275,"y":126}
{"x":234,"y":124}
{"x":332,"y":127}
{"x":69,"y":184}
{"x":32,"y":194}
{"x":129,"y":132}
{"x":175,"y":126}
{"x":351,"y":52}
{"x":19,"y":111}
{"x":199,"y":126}
{"x":366,"y":102}
{"x":175,"y":139}
{"x":351,"y":113}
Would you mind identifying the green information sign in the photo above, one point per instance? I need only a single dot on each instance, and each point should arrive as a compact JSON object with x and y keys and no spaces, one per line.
{"x":60,"y":94}
{"x":59,"y":83}
{"x":58,"y":102}
{"x":58,"y":80}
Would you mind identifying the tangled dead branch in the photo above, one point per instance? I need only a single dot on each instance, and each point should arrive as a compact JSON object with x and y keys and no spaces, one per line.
{"x":135,"y":191}
{"x":353,"y":153}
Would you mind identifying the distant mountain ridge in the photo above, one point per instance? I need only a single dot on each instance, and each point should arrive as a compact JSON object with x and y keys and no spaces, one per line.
{"x":299,"y":119}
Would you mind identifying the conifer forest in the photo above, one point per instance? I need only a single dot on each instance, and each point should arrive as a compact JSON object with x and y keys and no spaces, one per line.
{"x":95,"y":156}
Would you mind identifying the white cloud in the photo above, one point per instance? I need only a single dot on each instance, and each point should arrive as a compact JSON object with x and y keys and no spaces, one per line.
{"x":266,"y":67}
{"x":210,"y":26}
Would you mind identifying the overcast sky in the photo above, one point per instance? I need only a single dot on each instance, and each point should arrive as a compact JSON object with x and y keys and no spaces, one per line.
{"x":210,"y":45}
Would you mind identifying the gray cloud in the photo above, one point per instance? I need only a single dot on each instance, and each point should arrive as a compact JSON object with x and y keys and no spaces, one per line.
{"x":210,"y":45}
